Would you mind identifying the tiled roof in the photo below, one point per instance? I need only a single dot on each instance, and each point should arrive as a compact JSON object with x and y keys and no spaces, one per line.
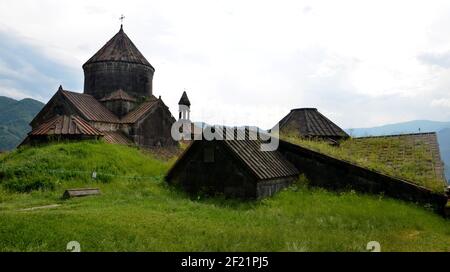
{"x":140,"y":111}
{"x":264,"y":164}
{"x":120,"y":49}
{"x":309,"y":122}
{"x":66,"y":125}
{"x":118,"y":95}
{"x":117,"y":137}
{"x":89,"y":107}
{"x":184,"y":100}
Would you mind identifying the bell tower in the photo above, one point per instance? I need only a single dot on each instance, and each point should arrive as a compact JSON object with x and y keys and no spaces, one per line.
{"x":184,"y":108}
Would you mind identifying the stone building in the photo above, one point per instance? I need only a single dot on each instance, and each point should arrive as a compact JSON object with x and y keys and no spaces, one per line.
{"x":118,"y":65}
{"x":117,"y":101}
{"x":311,"y":124}
{"x":235,"y":168}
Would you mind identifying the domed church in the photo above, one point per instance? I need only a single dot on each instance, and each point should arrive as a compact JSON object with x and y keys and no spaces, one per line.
{"x":117,"y":103}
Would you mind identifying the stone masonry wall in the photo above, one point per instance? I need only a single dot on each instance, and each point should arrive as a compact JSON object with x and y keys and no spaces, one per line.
{"x":103,"y":78}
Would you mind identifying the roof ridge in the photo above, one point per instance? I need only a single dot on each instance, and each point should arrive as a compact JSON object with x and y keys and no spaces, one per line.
{"x":139,"y":111}
{"x":119,"y":94}
{"x":397,"y":135}
{"x":89,"y":107}
{"x":68,"y":91}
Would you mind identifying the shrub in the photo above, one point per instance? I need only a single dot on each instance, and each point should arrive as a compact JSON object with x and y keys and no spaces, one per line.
{"x":29,"y":184}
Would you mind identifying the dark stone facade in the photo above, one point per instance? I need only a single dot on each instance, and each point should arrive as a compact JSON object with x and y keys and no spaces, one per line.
{"x":211,"y":168}
{"x":223,"y":175}
{"x":119,"y":107}
{"x":154,"y":129}
{"x":56,"y":106}
{"x":103,"y":78}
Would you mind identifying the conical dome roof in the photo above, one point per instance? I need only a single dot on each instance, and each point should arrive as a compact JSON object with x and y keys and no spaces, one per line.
{"x":309,"y":122}
{"x":119,"y":49}
{"x":184,"y":100}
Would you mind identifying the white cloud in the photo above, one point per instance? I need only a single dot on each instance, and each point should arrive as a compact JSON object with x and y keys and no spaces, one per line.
{"x":13,"y":93}
{"x":249,"y":62}
{"x":442,"y":102}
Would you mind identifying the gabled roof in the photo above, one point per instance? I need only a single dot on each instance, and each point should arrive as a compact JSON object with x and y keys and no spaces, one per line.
{"x":184,"y":100}
{"x":89,"y":108}
{"x":117,"y":137}
{"x":65,"y":125}
{"x":140,"y":111}
{"x":309,"y":122}
{"x":118,"y":95}
{"x":263,"y":165}
{"x":119,"y":49}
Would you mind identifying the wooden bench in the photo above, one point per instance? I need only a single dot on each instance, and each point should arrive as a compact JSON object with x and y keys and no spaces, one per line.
{"x":69,"y":193}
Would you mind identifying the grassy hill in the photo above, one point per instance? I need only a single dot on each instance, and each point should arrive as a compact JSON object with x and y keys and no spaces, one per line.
{"x":14,"y":119}
{"x":137,"y":211}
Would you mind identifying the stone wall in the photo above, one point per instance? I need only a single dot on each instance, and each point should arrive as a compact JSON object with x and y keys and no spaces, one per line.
{"x":103,"y":78}
{"x":267,"y":188}
{"x":209,"y":168}
{"x":105,"y":126}
{"x":56,"y":106}
{"x":325,"y":171}
{"x":154,"y":129}
{"x":119,"y":107}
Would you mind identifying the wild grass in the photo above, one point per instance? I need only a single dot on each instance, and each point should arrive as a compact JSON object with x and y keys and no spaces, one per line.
{"x":145,"y":214}
{"x":51,"y":165}
{"x":397,"y":157}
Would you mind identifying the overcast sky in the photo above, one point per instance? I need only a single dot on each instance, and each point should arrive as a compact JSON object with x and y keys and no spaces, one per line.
{"x":361,"y":63}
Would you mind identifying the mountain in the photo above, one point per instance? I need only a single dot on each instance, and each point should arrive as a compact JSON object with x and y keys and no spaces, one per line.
{"x":14,"y":119}
{"x":441,"y":128}
{"x":400,"y":128}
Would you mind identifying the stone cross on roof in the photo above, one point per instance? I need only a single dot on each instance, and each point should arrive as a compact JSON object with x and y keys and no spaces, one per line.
{"x":121,"y":19}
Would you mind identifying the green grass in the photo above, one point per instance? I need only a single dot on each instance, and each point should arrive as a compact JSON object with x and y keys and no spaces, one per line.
{"x":393,"y":156}
{"x":145,"y":214}
{"x":66,"y":164}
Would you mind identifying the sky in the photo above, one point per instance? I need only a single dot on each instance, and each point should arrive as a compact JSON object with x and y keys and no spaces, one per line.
{"x":361,"y":63}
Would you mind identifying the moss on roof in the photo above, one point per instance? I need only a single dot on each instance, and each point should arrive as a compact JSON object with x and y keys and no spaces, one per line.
{"x":412,"y":157}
